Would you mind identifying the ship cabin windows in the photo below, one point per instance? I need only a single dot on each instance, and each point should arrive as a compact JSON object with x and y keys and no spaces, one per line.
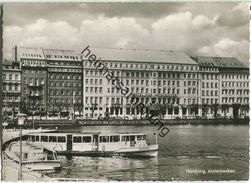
{"x":128,"y":138}
{"x":141,"y":137}
{"x":82,"y":139}
{"x":107,"y":139}
{"x":43,"y":138}
{"x":61,"y":139}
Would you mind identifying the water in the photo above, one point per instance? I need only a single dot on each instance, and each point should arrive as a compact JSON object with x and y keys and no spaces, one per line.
{"x":185,"y":148}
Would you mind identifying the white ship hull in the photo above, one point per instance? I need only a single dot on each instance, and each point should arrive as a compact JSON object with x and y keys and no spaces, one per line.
{"x":148,"y":151}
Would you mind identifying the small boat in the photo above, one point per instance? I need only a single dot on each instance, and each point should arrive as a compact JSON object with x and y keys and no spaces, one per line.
{"x":96,"y":144}
{"x":35,"y":158}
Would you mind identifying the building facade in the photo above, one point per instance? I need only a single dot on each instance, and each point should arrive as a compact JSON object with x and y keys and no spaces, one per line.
{"x":65,"y":83}
{"x":11,"y":87}
{"x":51,"y":81}
{"x":225,"y":86}
{"x":170,"y":79}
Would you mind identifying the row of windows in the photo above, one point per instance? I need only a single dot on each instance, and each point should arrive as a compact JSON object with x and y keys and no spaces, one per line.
{"x":26,"y":71}
{"x":94,"y":81}
{"x":235,"y":76}
{"x":207,"y":84}
{"x":43,"y":138}
{"x":146,"y":66}
{"x":64,"y":63}
{"x":68,"y":101}
{"x":64,"y":92}
{"x":34,"y":101}
{"x":34,"y":81}
{"x":208,"y":93}
{"x":232,"y":100}
{"x":61,"y":56}
{"x":94,"y":89}
{"x":65,"y":84}
{"x":11,"y":87}
{"x":209,"y":69}
{"x":11,"y":98}
{"x":233,"y":84}
{"x":64,"y":76}
{"x":33,"y":62}
{"x":65,"y":70}
{"x":34,"y":92}
{"x":209,"y":101}
{"x":118,"y":100}
{"x":210,"y":76}
{"x":84,"y":139}
{"x":14,"y":77}
{"x":12,"y":67}
{"x":232,"y":92}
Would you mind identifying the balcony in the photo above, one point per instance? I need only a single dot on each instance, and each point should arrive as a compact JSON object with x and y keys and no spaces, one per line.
{"x":36,"y":85}
{"x":156,"y":95}
{"x":35,"y":95}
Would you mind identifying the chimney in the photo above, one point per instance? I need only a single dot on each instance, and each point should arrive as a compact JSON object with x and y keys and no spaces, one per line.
{"x":15,"y":53}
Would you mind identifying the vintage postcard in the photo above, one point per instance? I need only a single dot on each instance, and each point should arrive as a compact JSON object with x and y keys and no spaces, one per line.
{"x":126,"y":91}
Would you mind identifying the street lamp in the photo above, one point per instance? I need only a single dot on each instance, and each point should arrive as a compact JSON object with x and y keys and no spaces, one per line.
{"x":20,"y":123}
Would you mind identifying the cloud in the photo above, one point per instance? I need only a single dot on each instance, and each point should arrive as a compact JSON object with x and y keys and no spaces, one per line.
{"x":194,"y":28}
{"x":227,"y":47}
{"x":237,"y":16}
{"x":106,"y":32}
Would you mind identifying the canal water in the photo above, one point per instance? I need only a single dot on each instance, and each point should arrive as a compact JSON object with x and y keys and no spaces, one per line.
{"x":202,"y":152}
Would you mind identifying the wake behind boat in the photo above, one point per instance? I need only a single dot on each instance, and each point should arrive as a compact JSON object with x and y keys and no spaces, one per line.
{"x":96,"y":144}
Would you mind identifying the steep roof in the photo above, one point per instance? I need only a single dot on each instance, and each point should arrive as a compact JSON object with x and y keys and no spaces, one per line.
{"x":7,"y":62}
{"x":42,"y":54}
{"x":222,"y":62}
{"x":142,"y":56}
{"x":59,"y":54}
{"x":30,"y":53}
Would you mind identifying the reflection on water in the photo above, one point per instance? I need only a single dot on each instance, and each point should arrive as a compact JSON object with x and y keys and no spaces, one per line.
{"x":115,"y":168}
{"x":185,"y":147}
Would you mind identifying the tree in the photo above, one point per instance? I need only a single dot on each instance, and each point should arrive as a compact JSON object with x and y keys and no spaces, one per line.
{"x":93,"y":108}
{"x":59,"y":106}
{"x":80,"y":107}
{"x":245,"y":108}
{"x":215,"y":107}
{"x":204,"y":108}
{"x":224,"y":108}
{"x":194,"y":109}
{"x":236,"y":108}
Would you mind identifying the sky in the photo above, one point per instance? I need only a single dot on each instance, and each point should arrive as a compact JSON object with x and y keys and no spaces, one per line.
{"x":201,"y":28}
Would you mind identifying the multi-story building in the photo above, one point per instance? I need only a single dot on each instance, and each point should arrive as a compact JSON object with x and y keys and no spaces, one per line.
{"x":34,"y":73}
{"x":11,"y":87}
{"x":64,"y":81}
{"x":168,"y":78}
{"x":51,"y":80}
{"x":225,"y":85}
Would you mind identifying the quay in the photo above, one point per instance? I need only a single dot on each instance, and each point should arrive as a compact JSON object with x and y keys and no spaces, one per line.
{"x":10,"y":167}
{"x":122,"y":122}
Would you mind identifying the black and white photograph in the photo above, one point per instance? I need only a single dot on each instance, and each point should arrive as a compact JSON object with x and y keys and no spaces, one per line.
{"x":125,"y":91}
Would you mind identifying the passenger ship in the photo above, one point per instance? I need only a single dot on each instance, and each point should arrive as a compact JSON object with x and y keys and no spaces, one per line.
{"x":133,"y":144}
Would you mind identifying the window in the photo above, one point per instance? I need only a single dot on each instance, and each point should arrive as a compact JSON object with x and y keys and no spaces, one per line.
{"x":61,"y":139}
{"x":104,"y":138}
{"x":77,"y":139}
{"x":52,"y":139}
{"x":37,"y":138}
{"x":86,"y":139}
{"x":114,"y":138}
{"x":44,"y":138}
